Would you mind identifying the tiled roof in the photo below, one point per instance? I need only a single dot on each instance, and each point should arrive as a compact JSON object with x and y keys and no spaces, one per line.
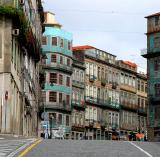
{"x":130,"y":64}
{"x":85,"y":47}
{"x":156,"y":14}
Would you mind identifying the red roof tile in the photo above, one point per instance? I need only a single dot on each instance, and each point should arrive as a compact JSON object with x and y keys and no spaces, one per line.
{"x":85,"y":47}
{"x":130,"y":64}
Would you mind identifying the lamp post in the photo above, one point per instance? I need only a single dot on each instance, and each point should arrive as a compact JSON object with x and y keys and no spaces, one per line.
{"x":6,"y":98}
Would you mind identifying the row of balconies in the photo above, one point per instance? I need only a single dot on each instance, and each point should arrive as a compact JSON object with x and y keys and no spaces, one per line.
{"x":102,"y":102}
{"x":99,"y":102}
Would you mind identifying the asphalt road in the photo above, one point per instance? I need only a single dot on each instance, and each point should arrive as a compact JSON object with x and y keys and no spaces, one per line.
{"x":10,"y":146}
{"x":70,"y":148}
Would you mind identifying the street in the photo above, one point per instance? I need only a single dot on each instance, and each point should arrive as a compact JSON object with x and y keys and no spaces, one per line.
{"x":11,"y":146}
{"x":70,"y":148}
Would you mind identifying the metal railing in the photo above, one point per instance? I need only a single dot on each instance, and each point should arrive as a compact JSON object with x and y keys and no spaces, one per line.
{"x":78,"y":83}
{"x":102,"y":102}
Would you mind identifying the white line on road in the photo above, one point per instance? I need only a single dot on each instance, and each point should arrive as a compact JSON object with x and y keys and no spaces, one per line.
{"x":140,"y":149}
{"x":20,"y":149}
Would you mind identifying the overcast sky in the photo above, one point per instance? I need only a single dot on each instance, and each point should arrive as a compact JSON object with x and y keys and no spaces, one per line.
{"x":116,"y":26}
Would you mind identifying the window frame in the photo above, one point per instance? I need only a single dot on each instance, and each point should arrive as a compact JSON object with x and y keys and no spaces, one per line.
{"x":52,"y":98}
{"x":62,"y":43}
{"x":46,"y":40}
{"x":54,"y":79}
{"x":52,"y":41}
{"x":60,"y":79}
{"x":53,"y":58}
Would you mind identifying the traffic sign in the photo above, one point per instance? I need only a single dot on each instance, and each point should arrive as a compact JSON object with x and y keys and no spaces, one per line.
{"x":45,"y":116}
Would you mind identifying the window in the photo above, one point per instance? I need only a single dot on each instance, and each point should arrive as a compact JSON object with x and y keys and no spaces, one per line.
{"x":44,"y":40}
{"x":146,"y":87}
{"x":53,"y":58}
{"x":69,"y":45}
{"x":60,"y":97}
{"x":60,"y":79}
{"x":156,"y":65}
{"x":54,"y":41}
{"x":139,"y":85}
{"x":44,"y":96}
{"x":126,"y":79}
{"x":99,"y":73}
{"x":122,"y":78}
{"x":53,"y":78}
{"x":157,"y":89}
{"x":103,"y":74}
{"x":60,"y":118}
{"x":139,"y":102}
{"x":68,"y":99}
{"x":61,"y":60}
{"x":53,"y":96}
{"x":157,"y":42}
{"x":67,"y":120}
{"x":68,"y":61}
{"x":142,"y":86}
{"x":156,"y":20}
{"x":134,"y":82}
{"x":87,"y":68}
{"x":68,"y":81}
{"x":61,"y":43}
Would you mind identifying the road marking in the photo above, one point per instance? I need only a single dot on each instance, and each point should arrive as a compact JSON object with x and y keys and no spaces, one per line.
{"x":20,"y":149}
{"x":140,"y":149}
{"x":29,"y":148}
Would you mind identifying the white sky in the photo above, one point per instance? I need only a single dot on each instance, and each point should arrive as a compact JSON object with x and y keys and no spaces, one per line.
{"x":117,"y":26}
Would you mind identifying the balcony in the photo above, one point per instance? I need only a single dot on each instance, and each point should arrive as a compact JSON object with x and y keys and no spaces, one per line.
{"x":61,"y":67}
{"x":102,"y":103}
{"x":78,"y":104}
{"x":78,"y":84}
{"x":103,"y":82}
{"x":59,"y":106}
{"x":142,"y":110}
{"x":150,"y":52}
{"x":114,"y":85}
{"x":129,"y":106}
{"x":89,"y":122}
{"x":155,"y":99}
{"x":126,"y":87}
{"x":91,"y":78}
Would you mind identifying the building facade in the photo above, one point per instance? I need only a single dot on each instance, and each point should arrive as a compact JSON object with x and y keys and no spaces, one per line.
{"x":20,"y":43}
{"x":101,"y":93}
{"x":133,"y":99}
{"x":78,"y":89}
{"x":112,"y":96}
{"x":153,"y":68}
{"x":57,"y":91}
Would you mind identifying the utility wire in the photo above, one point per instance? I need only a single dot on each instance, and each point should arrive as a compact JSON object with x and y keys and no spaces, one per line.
{"x":101,"y":12}
{"x":105,"y":31}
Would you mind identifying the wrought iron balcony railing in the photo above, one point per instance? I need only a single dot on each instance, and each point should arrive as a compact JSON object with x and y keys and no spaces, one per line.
{"x":78,"y":84}
{"x":102,"y":102}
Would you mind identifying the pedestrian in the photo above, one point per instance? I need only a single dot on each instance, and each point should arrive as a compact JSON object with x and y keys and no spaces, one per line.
{"x":46,"y":134}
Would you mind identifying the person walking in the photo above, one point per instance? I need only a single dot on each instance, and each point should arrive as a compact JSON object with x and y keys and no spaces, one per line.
{"x":46,"y":134}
